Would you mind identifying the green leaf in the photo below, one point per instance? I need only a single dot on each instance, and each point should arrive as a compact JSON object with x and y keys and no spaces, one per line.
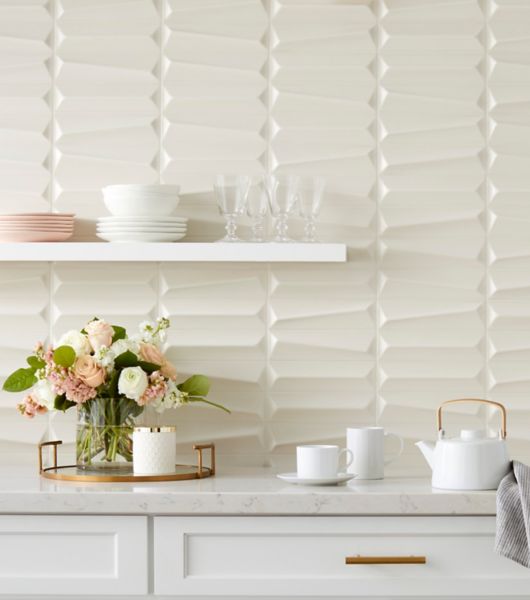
{"x":211,"y":404}
{"x":64,"y":356}
{"x":119,"y":333}
{"x":20,"y":380}
{"x":126,"y":359}
{"x":196,"y":385}
{"x":35,"y":362}
{"x":148,"y":367}
{"x":61,"y":403}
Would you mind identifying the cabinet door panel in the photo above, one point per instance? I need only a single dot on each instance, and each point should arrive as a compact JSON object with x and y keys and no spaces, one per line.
{"x":73,"y":555}
{"x":278,"y":556}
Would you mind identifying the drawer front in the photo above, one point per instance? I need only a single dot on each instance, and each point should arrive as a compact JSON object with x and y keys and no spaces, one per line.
{"x":73,"y":555}
{"x":306,"y":556}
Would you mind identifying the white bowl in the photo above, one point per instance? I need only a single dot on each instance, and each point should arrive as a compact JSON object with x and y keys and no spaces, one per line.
{"x":157,"y":188}
{"x":138,"y":205}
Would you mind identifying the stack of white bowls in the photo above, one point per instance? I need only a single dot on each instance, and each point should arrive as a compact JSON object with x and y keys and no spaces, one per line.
{"x":141,"y":213}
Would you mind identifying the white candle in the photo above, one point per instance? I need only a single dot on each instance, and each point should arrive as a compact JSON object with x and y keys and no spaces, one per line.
{"x":154,"y":450}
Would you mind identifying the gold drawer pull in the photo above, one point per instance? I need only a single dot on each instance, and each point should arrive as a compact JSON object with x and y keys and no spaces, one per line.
{"x":386,"y":560}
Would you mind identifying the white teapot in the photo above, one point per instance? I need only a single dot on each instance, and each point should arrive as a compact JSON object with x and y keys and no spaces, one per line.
{"x":472,"y":461}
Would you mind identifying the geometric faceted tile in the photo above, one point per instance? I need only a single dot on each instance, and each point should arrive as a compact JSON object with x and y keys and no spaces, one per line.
{"x":432,"y":238}
{"x":106,"y":105}
{"x":25,"y":114}
{"x":509,"y":247}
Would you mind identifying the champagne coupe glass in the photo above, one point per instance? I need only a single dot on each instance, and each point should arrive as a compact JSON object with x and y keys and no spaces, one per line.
{"x":309,"y":195}
{"x":231,"y":194}
{"x":282,"y":201}
{"x":257,"y":205}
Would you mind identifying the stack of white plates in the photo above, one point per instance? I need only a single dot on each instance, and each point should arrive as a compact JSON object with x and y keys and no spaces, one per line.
{"x":36,"y":227}
{"x":142,"y":229}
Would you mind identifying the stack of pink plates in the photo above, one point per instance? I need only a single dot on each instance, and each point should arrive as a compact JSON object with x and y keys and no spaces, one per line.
{"x":36,"y":227}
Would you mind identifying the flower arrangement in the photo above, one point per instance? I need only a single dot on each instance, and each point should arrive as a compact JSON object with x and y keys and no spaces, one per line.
{"x":110,"y":377}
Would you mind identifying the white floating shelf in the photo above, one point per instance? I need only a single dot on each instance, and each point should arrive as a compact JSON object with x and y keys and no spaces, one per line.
{"x":177,"y":252}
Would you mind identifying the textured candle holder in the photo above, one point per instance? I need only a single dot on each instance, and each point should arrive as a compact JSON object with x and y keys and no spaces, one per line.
{"x":154,"y":450}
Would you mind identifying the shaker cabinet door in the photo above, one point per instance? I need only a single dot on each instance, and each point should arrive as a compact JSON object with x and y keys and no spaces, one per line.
{"x":74,"y":555}
{"x":333,"y":556}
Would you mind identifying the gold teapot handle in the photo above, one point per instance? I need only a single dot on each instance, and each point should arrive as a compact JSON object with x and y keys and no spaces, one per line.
{"x":481,"y":401}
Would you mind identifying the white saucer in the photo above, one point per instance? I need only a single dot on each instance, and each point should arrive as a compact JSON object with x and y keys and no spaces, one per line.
{"x":339,"y":478}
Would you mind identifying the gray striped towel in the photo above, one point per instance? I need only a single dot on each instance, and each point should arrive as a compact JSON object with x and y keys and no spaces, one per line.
{"x":513,"y":515}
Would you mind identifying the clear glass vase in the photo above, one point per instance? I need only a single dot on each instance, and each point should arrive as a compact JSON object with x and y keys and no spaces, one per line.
{"x":104,"y":433}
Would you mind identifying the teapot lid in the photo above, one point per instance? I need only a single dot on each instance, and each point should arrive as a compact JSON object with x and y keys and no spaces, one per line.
{"x":471,"y":436}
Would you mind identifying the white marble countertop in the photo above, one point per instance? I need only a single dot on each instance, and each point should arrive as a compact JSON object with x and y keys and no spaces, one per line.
{"x":238,"y":491}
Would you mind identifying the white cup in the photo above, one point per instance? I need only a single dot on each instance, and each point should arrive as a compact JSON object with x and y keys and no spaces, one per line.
{"x":368,"y":447}
{"x":319,"y":462}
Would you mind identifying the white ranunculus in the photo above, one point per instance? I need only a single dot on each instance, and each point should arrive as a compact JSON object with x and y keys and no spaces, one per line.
{"x":77,"y":341}
{"x":44,"y":394}
{"x":132,"y":382}
{"x":121,"y":346}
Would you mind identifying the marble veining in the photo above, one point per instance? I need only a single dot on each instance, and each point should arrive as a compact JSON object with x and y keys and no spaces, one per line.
{"x":235,"y":491}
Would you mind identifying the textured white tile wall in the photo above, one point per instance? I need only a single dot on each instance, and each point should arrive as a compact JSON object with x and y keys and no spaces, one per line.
{"x":416,"y":111}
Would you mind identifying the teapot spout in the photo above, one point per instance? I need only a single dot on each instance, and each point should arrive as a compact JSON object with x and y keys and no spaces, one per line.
{"x":427,"y":449}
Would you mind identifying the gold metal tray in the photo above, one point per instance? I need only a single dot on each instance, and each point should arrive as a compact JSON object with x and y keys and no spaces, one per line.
{"x":122,"y":475}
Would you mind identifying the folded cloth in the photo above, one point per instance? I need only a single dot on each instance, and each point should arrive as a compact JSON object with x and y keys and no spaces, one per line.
{"x":512,"y":539}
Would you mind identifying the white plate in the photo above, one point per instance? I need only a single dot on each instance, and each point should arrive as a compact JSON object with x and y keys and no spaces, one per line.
{"x":141,"y":226}
{"x":153,"y":188}
{"x":143,"y":220}
{"x":141,"y":230}
{"x":140,"y":237}
{"x":293,"y":478}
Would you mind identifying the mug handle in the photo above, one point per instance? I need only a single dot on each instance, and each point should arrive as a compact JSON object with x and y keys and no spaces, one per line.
{"x":401,"y":447}
{"x":350,"y":456}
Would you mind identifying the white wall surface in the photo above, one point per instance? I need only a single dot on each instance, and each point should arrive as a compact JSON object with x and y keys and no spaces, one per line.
{"x":417,"y":112}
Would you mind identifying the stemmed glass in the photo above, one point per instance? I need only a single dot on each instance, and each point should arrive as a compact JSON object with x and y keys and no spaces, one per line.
{"x":231,"y":192}
{"x":257,"y":205}
{"x":282,"y":200}
{"x":310,"y":193}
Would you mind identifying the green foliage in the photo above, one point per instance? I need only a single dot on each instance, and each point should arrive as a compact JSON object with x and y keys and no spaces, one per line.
{"x":126,"y":359}
{"x":35,"y":362}
{"x":148,"y":367}
{"x":119,"y":333}
{"x":20,"y":380}
{"x":64,"y":356}
{"x":196,"y":385}
{"x":61,"y":403}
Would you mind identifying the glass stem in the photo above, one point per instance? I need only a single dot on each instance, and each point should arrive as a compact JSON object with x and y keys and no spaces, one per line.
{"x":257,"y":230}
{"x":309,"y":230}
{"x":231,"y":227}
{"x":281,"y":227}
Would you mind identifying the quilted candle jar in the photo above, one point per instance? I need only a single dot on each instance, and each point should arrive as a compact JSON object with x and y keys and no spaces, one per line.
{"x":154,"y":450}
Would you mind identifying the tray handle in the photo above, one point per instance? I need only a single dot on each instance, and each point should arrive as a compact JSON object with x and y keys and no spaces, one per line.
{"x":199,"y":448}
{"x":42,"y":445}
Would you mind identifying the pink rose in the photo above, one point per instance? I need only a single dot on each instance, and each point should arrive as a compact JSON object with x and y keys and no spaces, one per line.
{"x":99,"y":334}
{"x":152,"y":354}
{"x":88,"y":371}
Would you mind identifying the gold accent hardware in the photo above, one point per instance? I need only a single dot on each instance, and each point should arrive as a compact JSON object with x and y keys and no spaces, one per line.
{"x":78,"y":473}
{"x":385,"y":560}
{"x":480,"y":401}
{"x":145,"y":429}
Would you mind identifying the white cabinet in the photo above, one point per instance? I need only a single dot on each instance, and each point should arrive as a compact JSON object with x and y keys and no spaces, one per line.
{"x":306,"y":556}
{"x":72,"y":555}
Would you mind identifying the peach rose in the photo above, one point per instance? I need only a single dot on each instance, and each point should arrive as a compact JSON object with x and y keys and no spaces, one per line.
{"x":99,"y":334}
{"x":88,"y":371}
{"x":152,"y":354}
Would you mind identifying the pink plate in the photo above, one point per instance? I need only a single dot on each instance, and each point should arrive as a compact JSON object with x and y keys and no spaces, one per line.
{"x":34,"y":236}
{"x":33,"y":227}
{"x":39,"y":216}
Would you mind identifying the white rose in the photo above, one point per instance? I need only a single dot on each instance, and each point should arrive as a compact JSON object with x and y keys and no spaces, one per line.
{"x":77,"y":341}
{"x":44,"y":394}
{"x":132,"y":382}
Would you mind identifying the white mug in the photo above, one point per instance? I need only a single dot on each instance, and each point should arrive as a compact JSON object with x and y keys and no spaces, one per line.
{"x":368,"y":447}
{"x":320,"y":462}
